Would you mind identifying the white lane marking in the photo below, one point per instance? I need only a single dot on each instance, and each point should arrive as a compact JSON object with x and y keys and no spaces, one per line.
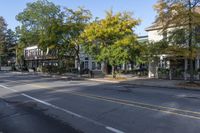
{"x":8,"y":88}
{"x":51,"y":105}
{"x":66,"y":111}
{"x":114,"y":130}
{"x":11,"y":81}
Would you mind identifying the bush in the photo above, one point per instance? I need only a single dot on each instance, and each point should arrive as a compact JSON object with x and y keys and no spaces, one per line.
{"x":178,"y":73}
{"x":24,"y":68}
{"x":85,"y":71}
{"x":138,"y":72}
{"x":74,"y":70}
{"x":50,"y":69}
{"x":163,"y":73}
{"x":57,"y":70}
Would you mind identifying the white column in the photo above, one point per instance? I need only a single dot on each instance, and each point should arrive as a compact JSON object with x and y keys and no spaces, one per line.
{"x":90,"y":63}
{"x":76,"y":64}
{"x":185,"y":68}
{"x":156,"y":72}
{"x":123,"y":67}
{"x":197,"y":63}
{"x":149,"y":70}
{"x":168,"y":67}
{"x":161,"y":60}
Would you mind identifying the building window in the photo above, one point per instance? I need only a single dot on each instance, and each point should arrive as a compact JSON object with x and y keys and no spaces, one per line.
{"x":26,"y":53}
{"x":86,"y":64}
{"x":98,"y":66}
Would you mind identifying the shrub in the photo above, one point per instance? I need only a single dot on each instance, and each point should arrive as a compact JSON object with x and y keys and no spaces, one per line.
{"x":163,"y":73}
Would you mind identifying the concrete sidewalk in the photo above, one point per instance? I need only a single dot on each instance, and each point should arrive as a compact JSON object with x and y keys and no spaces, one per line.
{"x":69,"y":76}
{"x":142,"y":81}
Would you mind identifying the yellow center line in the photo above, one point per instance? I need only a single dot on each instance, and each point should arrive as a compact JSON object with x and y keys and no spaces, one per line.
{"x":132,"y":104}
{"x":164,"y":109}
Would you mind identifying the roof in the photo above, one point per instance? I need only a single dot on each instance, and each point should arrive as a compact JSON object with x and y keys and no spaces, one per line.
{"x":156,"y":26}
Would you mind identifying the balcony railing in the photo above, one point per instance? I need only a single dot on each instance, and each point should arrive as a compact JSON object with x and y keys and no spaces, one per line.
{"x":40,"y":57}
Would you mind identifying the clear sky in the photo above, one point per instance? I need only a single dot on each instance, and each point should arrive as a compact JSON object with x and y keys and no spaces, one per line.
{"x":142,"y":9}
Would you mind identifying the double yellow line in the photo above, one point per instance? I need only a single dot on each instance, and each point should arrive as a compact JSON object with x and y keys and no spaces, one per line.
{"x":164,"y":109}
{"x":168,"y":110}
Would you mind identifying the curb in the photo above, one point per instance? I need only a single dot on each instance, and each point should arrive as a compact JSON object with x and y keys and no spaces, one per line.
{"x":102,"y":80}
{"x":108,"y":81}
{"x":50,"y":75}
{"x":121,"y":82}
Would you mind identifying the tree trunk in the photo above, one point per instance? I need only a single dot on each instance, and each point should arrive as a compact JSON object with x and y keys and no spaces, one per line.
{"x":113,"y":72}
{"x":79,"y":65}
{"x":132,"y":66}
{"x":78,"y":60}
{"x":125,"y":67}
{"x":104,"y":68}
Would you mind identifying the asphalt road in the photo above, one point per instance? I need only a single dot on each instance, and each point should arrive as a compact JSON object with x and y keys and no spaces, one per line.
{"x":33,"y":103}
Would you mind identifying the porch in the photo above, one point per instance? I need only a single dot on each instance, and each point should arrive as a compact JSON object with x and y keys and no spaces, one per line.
{"x":173,"y":68}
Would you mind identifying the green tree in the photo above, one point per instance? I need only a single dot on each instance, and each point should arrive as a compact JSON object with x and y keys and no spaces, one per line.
{"x":22,"y":42}
{"x":41,"y":25}
{"x":11,"y":42}
{"x":3,"y":28}
{"x":138,"y":53}
{"x":20,"y":54}
{"x":108,"y":40}
{"x":76,"y":21}
{"x":183,"y":18}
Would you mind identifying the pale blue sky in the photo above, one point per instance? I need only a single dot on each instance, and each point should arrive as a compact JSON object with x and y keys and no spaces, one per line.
{"x":142,"y":9}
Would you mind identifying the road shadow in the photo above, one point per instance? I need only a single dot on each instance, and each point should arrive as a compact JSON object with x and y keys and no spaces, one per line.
{"x":18,"y":79}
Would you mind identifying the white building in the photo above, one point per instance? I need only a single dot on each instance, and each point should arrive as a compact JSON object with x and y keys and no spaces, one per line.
{"x":155,"y":35}
{"x":87,"y":62}
{"x":34,"y":57}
